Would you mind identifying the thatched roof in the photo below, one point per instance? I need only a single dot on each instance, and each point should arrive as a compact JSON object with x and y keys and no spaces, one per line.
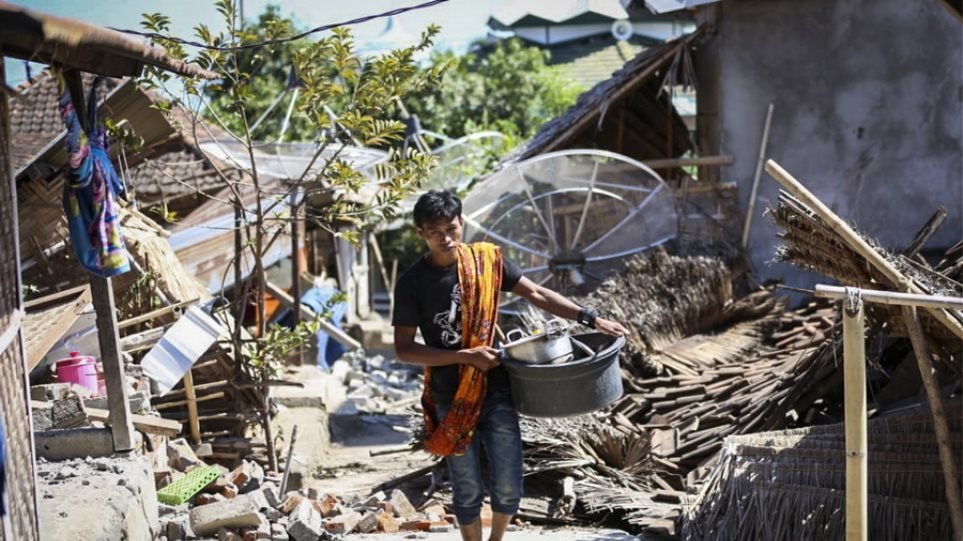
{"x":630,"y":98}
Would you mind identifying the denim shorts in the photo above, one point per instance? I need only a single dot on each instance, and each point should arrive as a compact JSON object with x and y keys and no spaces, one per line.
{"x":499,"y":434}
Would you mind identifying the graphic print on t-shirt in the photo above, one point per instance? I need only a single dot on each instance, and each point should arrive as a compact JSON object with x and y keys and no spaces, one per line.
{"x":449,"y":321}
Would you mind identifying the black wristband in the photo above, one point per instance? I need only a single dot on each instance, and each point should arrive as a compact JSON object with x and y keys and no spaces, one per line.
{"x":587,"y":317}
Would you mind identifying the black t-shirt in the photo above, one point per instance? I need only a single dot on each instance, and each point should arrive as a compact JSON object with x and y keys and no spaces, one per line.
{"x":429,"y":298}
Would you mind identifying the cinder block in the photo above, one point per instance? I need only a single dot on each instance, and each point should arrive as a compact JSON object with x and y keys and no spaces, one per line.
{"x":305,"y":522}
{"x":401,"y":505}
{"x":239,"y":512}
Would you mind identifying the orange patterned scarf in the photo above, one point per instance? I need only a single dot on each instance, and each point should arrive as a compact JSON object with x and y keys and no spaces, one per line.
{"x":480,"y":278}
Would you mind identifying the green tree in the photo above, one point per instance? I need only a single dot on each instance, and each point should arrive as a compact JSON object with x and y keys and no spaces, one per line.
{"x":271,"y":86}
{"x":510,"y":89}
{"x":362,"y":92}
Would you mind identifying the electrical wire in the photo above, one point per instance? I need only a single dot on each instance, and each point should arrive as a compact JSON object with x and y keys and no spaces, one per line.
{"x":260,"y":44}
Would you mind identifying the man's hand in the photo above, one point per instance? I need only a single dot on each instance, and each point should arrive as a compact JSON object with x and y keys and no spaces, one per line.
{"x":481,"y":357}
{"x":612,"y":328}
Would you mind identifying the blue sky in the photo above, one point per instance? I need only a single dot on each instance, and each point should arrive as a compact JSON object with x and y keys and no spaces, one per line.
{"x":461,"y":20}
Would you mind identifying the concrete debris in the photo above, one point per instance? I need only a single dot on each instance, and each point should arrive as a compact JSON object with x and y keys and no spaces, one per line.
{"x":402,"y":507}
{"x":305,"y":522}
{"x":302,"y":515}
{"x":237,"y":513}
{"x":139,"y":402}
{"x":180,"y":455}
{"x":57,"y":391}
{"x":375,"y":384}
{"x":62,"y":413}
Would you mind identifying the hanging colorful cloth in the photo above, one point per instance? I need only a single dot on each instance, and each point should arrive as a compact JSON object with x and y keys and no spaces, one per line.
{"x":91,"y":187}
{"x":480,"y":278}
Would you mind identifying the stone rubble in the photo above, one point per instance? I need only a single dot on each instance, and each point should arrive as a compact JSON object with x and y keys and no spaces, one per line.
{"x":258,"y":512}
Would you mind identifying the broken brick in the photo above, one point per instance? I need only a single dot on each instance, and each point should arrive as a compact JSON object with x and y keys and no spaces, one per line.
{"x":343,"y":523}
{"x":387,"y":522}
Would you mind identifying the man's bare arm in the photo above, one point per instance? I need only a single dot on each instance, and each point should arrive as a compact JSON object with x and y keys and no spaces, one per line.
{"x":409,"y":351}
{"x":561,"y":306}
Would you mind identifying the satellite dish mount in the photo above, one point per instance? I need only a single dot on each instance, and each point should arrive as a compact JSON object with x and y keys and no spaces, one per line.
{"x":622,"y":29}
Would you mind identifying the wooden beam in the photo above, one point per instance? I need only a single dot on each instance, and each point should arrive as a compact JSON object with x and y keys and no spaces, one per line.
{"x":154,"y":314}
{"x":944,"y":440}
{"x":934,"y":223}
{"x":685,"y":162}
{"x":855,"y":242}
{"x":121,"y":424}
{"x":144,"y":423}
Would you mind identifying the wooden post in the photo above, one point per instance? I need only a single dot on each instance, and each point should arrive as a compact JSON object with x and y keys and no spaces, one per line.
{"x":951,"y":473}
{"x":121,"y":422}
{"x":192,"y":407}
{"x":854,"y":241}
{"x":755,"y":179}
{"x":854,"y":390}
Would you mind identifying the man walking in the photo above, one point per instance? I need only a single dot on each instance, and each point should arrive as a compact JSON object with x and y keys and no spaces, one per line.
{"x":451,"y":294}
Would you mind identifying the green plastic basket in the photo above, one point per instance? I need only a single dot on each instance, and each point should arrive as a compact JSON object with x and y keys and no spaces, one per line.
{"x":186,"y":487}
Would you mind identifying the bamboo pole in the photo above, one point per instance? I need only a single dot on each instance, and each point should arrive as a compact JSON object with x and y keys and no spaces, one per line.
{"x":951,"y":473}
{"x":192,"y":407}
{"x":755,"y":179}
{"x":854,"y":376}
{"x":889,"y":297}
{"x":854,"y":241}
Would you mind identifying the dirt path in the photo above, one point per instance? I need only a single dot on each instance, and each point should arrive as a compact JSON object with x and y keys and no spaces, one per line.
{"x":334,"y":453}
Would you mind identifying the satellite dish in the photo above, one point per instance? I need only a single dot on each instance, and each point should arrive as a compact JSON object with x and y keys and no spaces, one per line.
{"x":568,"y":218}
{"x":622,"y":29}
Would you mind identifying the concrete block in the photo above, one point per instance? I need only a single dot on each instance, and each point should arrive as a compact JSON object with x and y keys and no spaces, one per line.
{"x":402,"y":507}
{"x":139,"y":401}
{"x":177,"y":529}
{"x":180,"y":455}
{"x":304,"y":522}
{"x":270,"y":492}
{"x":368,"y":522}
{"x":237,"y":513}
{"x":67,"y":443}
{"x":343,"y":523}
{"x":203,"y":450}
{"x":55,"y":391}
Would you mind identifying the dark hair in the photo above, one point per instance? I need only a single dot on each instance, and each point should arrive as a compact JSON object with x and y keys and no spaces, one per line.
{"x":436,"y":204}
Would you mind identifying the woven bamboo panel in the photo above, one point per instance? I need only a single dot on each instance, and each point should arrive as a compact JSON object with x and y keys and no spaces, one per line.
{"x":21,"y":493}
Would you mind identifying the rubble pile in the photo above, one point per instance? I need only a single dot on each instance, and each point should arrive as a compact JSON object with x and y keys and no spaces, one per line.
{"x":242,"y":505}
{"x":377,"y":385}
